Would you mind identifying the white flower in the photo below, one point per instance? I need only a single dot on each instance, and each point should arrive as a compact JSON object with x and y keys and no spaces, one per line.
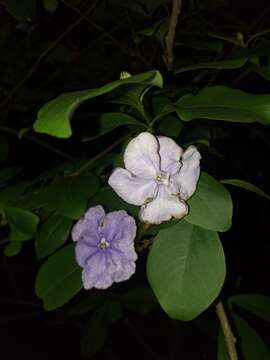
{"x":159,"y":177}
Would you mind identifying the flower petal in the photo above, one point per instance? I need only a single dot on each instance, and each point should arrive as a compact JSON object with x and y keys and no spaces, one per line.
{"x":119,"y":226}
{"x":163,"y":208}
{"x":141,"y":156}
{"x":87,"y":228}
{"x":170,"y":154}
{"x":95,"y":274}
{"x":119,"y":266}
{"x":84,"y":252}
{"x":189,"y":173}
{"x":132,"y":189}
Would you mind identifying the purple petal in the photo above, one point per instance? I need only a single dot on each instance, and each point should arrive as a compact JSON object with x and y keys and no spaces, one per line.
{"x":87,"y":228}
{"x":84,"y":252}
{"x":94,"y":275}
{"x":119,"y":226}
{"x":189,"y":173}
{"x":132,"y":189}
{"x":119,"y":267}
{"x":163,"y":208}
{"x":141,"y":156}
{"x":170,"y":154}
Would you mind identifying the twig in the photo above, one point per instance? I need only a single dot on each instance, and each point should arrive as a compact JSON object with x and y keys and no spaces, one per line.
{"x":37,"y":141}
{"x":169,"y":56}
{"x":45,"y":53}
{"x":230,"y":340}
{"x":97,"y":157}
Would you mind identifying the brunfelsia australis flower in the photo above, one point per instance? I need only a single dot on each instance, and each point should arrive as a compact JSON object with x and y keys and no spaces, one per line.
{"x":105,"y":247}
{"x":158,"y":176}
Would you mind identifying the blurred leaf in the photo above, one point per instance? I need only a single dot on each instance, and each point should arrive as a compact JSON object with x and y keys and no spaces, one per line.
{"x":54,"y":117}
{"x":223,"y":103}
{"x":217,"y":65}
{"x":23,"y":223}
{"x":140,"y":300}
{"x":256,"y":304}
{"x":12,"y":194}
{"x":24,"y":10}
{"x":211,"y":205}
{"x":13,"y":248}
{"x":186,"y":269}
{"x":69,"y":195}
{"x":58,"y":279}
{"x":247,"y":186}
{"x":204,"y":44}
{"x":53,"y":234}
{"x":4,"y":148}
{"x":87,"y":304}
{"x":9,"y":172}
{"x":50,"y":5}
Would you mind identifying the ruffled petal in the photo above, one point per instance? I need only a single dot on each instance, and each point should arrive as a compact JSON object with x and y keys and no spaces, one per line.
{"x":163,"y":208}
{"x":141,"y":156}
{"x":84,"y":252}
{"x":94,"y":274}
{"x":87,"y":228}
{"x":118,"y":226}
{"x":134,"y":190}
{"x":119,"y":266}
{"x":189,"y":173}
{"x":170,"y":154}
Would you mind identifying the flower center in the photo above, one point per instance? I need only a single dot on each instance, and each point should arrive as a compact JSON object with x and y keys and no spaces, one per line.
{"x":103,"y":244}
{"x":163,"y":178}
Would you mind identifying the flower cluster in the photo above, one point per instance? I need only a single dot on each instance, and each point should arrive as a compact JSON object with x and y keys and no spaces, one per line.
{"x":158,"y":176}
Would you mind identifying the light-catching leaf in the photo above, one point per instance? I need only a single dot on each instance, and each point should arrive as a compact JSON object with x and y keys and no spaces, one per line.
{"x":58,"y":279}
{"x":247,"y":186}
{"x":256,"y":304}
{"x":211,"y":205}
{"x":216,"y":65}
{"x":224,"y":103}
{"x":54,"y":117}
{"x":13,"y":248}
{"x":53,"y":234}
{"x":186,"y":269}
{"x":69,"y":195}
{"x":23,"y":223}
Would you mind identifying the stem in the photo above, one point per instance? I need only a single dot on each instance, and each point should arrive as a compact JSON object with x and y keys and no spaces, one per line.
{"x":45,"y":53}
{"x":230,"y":340}
{"x":169,"y":55}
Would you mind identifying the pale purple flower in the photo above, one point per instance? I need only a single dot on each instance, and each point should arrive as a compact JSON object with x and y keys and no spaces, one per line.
{"x":105,"y":247}
{"x":159,"y":177}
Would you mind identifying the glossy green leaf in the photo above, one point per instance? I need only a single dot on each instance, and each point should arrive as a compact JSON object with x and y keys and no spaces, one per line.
{"x":247,"y":186}
{"x":54,"y":117}
{"x":224,"y":103}
{"x":13,"y":248}
{"x":186,"y":269}
{"x":69,"y":195}
{"x":140,"y":300}
{"x":23,"y":223}
{"x":216,"y":65}
{"x":256,"y":304}
{"x":24,"y":10}
{"x":211,"y":205}
{"x":50,"y":5}
{"x":58,"y":279}
{"x":53,"y":234}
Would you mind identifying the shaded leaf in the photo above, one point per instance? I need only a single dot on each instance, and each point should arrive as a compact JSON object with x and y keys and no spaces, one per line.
{"x":140,"y":300}
{"x":247,"y":186}
{"x":13,"y":248}
{"x":23,"y":223}
{"x":50,"y":5}
{"x":256,"y":304}
{"x":22,"y":10}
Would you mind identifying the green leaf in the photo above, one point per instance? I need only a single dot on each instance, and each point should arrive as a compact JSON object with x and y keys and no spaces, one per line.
{"x":58,"y":279}
{"x":170,"y":126}
{"x":211,"y":205}
{"x":23,"y":10}
{"x":13,"y":248}
{"x":9,"y":172}
{"x":69,"y":195}
{"x":54,"y":117}
{"x":50,"y":5}
{"x":110,"y":121}
{"x":216,"y":65}
{"x":140,"y":300}
{"x":256,"y":304}
{"x":223,"y":103}
{"x":23,"y":223}
{"x":186,"y":269}
{"x":53,"y":234}
{"x":111,"y":201}
{"x":4,"y":148}
{"x":12,"y":194}
{"x":95,"y":333}
{"x":247,"y":186}
{"x":87,"y":304}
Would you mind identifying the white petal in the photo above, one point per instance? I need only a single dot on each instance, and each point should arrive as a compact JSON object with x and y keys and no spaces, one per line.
{"x":141,"y":156}
{"x":132,"y":189}
{"x":163,"y":208}
{"x":189,"y":173}
{"x":170,"y":154}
